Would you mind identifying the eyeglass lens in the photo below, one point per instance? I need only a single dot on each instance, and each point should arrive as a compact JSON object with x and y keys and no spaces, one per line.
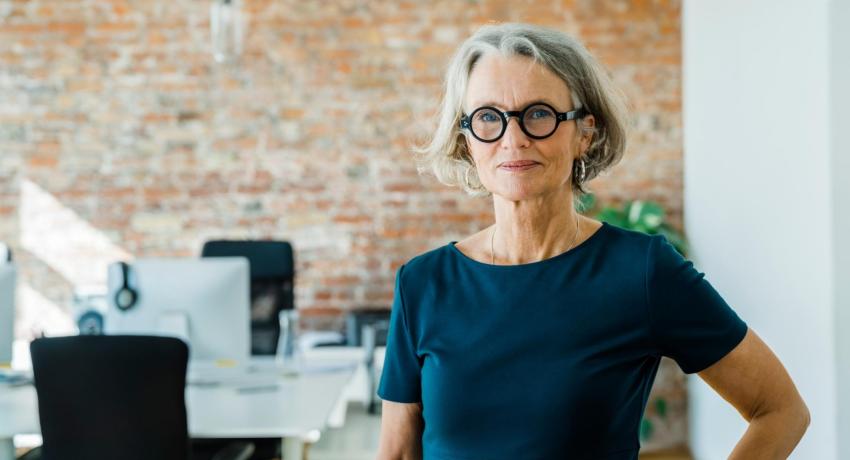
{"x":536,"y":120}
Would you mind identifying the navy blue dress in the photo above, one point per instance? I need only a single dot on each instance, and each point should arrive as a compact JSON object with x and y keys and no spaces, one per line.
{"x":552,"y":359}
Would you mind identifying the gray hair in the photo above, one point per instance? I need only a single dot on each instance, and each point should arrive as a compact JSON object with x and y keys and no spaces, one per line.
{"x":446,"y":155}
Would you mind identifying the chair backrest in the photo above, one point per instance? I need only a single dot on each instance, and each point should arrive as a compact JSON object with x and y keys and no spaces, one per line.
{"x":111,"y":397}
{"x":272,"y":266}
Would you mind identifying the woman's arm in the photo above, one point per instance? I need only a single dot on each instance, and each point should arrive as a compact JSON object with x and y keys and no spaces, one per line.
{"x":401,"y":431}
{"x":753,"y":380}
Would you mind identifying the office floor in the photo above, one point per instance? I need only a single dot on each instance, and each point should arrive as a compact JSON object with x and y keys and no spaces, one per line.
{"x":358,"y":440}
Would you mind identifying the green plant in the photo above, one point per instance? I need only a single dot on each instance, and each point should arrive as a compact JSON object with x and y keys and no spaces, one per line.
{"x":637,"y":215}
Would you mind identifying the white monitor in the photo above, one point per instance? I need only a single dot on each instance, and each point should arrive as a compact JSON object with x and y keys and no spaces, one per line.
{"x":202,"y":301}
{"x":7,"y":312}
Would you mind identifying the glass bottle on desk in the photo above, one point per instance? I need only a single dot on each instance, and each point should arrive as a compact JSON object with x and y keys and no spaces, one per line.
{"x":289,"y":356}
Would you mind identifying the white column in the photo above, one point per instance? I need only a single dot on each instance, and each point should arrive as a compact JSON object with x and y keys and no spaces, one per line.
{"x":766,"y":196}
{"x":839,"y":91}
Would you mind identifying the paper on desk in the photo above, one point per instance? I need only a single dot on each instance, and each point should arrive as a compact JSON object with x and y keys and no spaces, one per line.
{"x":321,"y":368}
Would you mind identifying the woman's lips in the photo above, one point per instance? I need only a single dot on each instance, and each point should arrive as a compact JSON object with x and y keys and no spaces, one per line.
{"x":518,"y":165}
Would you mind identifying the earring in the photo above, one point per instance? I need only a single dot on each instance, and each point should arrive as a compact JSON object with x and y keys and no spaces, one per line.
{"x":582,"y":170}
{"x":466,"y":180}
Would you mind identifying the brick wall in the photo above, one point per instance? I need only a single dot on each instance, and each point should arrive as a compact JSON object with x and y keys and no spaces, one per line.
{"x":120,"y":137}
{"x":117,"y":111}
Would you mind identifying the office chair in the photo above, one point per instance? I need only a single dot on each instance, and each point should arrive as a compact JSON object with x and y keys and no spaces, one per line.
{"x":114,"y":397}
{"x":272,"y":268}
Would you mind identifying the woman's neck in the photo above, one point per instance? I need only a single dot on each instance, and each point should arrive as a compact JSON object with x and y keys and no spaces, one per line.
{"x":533,"y":230}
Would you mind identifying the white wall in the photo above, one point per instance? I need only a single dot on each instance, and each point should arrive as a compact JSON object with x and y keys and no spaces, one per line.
{"x":761,"y":148}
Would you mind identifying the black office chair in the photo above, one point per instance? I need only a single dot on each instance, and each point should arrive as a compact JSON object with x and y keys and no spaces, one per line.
{"x":272,"y":268}
{"x":111,"y":397}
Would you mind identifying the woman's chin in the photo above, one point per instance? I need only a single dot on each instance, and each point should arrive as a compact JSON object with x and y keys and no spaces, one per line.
{"x":519,"y":191}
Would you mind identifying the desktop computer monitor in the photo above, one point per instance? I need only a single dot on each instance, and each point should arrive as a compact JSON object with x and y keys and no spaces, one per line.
{"x":202,"y":301}
{"x":7,"y":312}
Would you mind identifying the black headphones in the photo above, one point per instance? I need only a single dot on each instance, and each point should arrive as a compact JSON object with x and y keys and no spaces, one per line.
{"x":125,"y":297}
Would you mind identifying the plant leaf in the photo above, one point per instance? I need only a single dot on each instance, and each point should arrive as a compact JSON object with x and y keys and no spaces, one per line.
{"x":646,"y":429}
{"x":661,"y":407}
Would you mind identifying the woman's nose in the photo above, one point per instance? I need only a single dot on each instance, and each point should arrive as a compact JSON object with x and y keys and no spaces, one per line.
{"x":514,"y":136}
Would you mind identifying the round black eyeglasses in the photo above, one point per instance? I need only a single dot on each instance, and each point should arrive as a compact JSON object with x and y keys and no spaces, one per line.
{"x":537,"y":121}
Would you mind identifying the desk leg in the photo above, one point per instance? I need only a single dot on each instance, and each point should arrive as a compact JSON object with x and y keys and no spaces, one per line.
{"x":293,"y":449}
{"x":7,"y":449}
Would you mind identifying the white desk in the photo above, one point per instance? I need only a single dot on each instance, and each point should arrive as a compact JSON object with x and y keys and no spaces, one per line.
{"x":297,"y":410}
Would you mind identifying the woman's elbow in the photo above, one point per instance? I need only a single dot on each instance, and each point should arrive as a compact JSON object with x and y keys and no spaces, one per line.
{"x":797,"y":419}
{"x":401,"y":431}
{"x":804,"y":417}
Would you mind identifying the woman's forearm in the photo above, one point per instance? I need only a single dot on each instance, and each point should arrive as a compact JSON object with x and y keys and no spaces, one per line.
{"x":772,"y":435}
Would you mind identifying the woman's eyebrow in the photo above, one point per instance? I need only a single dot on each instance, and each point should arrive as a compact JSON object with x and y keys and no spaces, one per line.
{"x":521,"y":106}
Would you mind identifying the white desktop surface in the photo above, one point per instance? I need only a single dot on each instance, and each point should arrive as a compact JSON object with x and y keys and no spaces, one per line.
{"x":297,"y":407}
{"x":18,"y":411}
{"x":296,"y":410}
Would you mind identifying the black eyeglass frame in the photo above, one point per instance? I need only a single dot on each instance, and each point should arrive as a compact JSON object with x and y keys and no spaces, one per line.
{"x":466,"y":120}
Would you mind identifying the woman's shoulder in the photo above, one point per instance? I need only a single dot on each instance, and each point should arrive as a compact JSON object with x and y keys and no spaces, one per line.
{"x":632,"y":246}
{"x":434,"y":258}
{"x":625,"y":243}
{"x":615,"y":242}
{"x":426,"y":262}
{"x":628,"y":236}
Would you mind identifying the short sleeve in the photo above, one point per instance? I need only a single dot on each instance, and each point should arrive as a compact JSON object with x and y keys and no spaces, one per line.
{"x":400,"y":377}
{"x":689,"y":321}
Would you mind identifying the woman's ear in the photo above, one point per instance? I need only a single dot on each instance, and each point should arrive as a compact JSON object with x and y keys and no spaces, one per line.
{"x":465,"y":151}
{"x":586,"y":127}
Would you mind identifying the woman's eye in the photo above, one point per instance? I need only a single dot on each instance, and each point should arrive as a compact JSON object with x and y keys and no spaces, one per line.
{"x":488,"y":117}
{"x":537,"y":114}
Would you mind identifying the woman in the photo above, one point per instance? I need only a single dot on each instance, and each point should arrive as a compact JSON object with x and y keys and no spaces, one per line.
{"x":539,"y":337}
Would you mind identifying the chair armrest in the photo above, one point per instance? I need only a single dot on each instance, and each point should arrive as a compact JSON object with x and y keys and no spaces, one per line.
{"x":32,"y":454}
{"x":235,"y":451}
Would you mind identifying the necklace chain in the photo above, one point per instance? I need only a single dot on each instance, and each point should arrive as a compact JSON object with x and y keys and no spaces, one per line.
{"x":493,"y":239}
